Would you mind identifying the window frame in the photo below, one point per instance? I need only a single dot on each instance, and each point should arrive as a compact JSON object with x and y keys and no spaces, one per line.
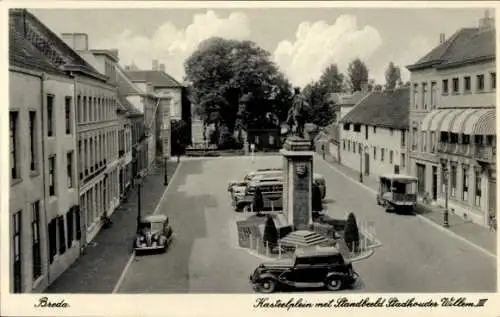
{"x":50,"y":115}
{"x":35,"y":240}
{"x":15,"y":171}
{"x":17,"y":252}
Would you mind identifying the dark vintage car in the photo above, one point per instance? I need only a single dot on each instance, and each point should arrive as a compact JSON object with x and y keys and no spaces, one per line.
{"x":311,"y":267}
{"x":155,"y":233}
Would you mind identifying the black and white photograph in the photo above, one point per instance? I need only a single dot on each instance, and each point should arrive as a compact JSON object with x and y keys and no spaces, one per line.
{"x":332,"y":150}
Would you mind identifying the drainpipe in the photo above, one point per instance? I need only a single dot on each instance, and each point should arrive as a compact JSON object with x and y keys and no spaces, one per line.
{"x":42,"y":167}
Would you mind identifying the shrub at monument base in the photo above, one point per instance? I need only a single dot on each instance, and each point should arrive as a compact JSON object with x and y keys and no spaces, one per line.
{"x":351,"y":233}
{"x":270,"y":232}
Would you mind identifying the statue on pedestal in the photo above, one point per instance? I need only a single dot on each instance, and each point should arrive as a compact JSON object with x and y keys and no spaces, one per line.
{"x":297,"y":114}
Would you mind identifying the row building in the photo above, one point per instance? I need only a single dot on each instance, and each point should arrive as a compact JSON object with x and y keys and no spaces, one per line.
{"x":453,"y":122}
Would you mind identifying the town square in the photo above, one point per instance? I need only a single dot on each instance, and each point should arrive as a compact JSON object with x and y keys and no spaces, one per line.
{"x":195,"y":151}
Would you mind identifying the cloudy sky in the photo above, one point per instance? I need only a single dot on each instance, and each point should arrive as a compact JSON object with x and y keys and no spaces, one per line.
{"x":302,"y":42}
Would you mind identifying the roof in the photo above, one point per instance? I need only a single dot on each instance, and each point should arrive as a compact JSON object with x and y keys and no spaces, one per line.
{"x":127,"y":106}
{"x":156,"y":77}
{"x":55,"y":50}
{"x":23,"y":54}
{"x":382,"y":108}
{"x":125,"y":85}
{"x":155,"y":218}
{"x":466,"y":45}
{"x":399,"y":177}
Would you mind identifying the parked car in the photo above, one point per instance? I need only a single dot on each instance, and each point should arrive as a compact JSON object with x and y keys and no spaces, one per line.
{"x":237,"y":192}
{"x":155,"y":233}
{"x":310,"y":267}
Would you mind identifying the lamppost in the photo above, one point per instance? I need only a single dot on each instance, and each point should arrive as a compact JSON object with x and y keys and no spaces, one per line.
{"x":165,"y":177}
{"x":445,"y":176}
{"x":139,"y":204}
{"x":360,"y":163}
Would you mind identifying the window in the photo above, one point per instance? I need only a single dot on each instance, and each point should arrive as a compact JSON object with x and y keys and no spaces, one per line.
{"x":424,"y":95}
{"x":403,"y":160}
{"x":374,"y":129}
{"x":70,"y":223}
{"x":52,"y":175}
{"x":415,"y":139}
{"x":77,"y":224}
{"x":391,"y":131}
{"x":493,"y":79}
{"x":52,"y":240}
{"x":366,"y":132}
{"x":391,"y":153}
{"x":465,"y":183}
{"x":62,"y":235}
{"x":14,"y":157}
{"x":445,"y":86}
{"x":16,"y":249}
{"x":343,"y":142}
{"x":415,"y":95}
{"x":433,"y":95}
{"x":85,"y":110}
{"x":80,"y":161}
{"x":480,"y":82}
{"x":433,"y":141}
{"x":67,"y":111}
{"x":456,"y":87}
{"x":403,"y":138}
{"x":465,"y":139}
{"x":374,"y":153}
{"x":467,"y":84}
{"x":357,"y":127}
{"x":32,"y":127}
{"x":349,"y":145}
{"x":353,"y":147}
{"x":35,"y":228}
{"x":424,"y":141}
{"x":50,"y":115}
{"x":453,"y":180}
{"x":346,"y":126}
{"x":477,"y":198}
{"x":382,"y":152}
{"x":69,"y":168}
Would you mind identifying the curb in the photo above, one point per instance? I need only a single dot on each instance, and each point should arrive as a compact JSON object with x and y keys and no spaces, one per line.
{"x":365,"y":256}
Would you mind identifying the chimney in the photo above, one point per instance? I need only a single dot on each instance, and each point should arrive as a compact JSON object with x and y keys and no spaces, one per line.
{"x":442,"y":38}
{"x":162,"y":67}
{"x":155,"y":64}
{"x":486,"y":23}
{"x":77,"y":41}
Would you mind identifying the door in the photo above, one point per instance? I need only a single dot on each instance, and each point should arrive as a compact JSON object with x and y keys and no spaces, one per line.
{"x":421,"y":178}
{"x":367,"y":164}
{"x":434,"y":182}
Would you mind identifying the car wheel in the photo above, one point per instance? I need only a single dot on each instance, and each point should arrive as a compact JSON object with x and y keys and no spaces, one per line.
{"x":266,"y":285}
{"x":333,"y":284}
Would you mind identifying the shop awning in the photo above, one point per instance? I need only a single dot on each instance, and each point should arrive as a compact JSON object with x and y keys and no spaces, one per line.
{"x":427,"y":120}
{"x":481,"y":122}
{"x":449,"y":118}
{"x":437,"y":119}
{"x":458,"y":124}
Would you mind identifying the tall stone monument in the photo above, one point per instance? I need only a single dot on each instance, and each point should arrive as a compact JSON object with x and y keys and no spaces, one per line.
{"x":297,"y":182}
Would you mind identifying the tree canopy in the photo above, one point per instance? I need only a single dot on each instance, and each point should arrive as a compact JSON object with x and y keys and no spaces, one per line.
{"x":222,"y":71}
{"x":392,"y":76}
{"x":357,"y":71}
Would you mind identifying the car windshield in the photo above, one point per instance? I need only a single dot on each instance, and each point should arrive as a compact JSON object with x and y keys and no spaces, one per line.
{"x":153,"y":226}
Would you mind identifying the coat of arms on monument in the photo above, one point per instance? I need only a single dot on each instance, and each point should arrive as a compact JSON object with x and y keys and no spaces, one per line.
{"x":301,"y":169}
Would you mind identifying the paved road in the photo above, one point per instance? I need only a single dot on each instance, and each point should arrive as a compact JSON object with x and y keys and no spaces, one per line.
{"x":415,"y":257}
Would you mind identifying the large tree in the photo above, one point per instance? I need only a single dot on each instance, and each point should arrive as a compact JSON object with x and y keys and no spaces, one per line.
{"x":392,"y":76}
{"x":227,"y":70}
{"x":357,"y":71}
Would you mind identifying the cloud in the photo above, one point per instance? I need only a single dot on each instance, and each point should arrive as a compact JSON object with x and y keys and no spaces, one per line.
{"x":171,"y":46}
{"x":318,"y":44}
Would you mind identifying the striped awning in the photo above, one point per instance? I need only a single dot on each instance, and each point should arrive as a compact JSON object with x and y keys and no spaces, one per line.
{"x":438,"y":118}
{"x":458,"y":124}
{"x":427,"y":120}
{"x":481,"y":122}
{"x":449,"y":118}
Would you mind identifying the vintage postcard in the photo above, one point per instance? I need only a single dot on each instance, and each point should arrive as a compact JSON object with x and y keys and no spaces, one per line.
{"x":221,"y":158}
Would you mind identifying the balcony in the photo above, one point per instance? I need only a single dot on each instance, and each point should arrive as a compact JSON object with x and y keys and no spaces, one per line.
{"x":485,"y":153}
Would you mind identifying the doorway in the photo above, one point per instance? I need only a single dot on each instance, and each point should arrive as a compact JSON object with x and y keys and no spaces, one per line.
{"x":434,"y":183}
{"x":367,"y":164}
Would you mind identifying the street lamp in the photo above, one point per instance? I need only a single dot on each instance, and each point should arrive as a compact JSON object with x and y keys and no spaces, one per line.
{"x":360,"y":163}
{"x":165,"y":177}
{"x":445,"y":174}
{"x":139,"y":204}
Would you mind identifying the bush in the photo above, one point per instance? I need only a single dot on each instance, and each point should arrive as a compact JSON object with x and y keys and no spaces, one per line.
{"x":258,"y":201}
{"x":270,"y":231}
{"x":351,"y":233}
{"x":317,"y":204}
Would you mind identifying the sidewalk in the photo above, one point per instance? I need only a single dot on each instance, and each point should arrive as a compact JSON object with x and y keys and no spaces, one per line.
{"x":466,"y":229}
{"x":99,"y":268}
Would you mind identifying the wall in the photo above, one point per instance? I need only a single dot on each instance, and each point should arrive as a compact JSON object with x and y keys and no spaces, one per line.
{"x":175,"y":95}
{"x":30,"y":187}
{"x":381,"y":139}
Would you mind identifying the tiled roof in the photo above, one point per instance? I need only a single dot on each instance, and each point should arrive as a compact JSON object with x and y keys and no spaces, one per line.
{"x":386,"y":109}
{"x":23,"y":54}
{"x":156,"y":77}
{"x":55,"y":50}
{"x":465,"y":45}
{"x":127,"y":106}
{"x":125,"y":85}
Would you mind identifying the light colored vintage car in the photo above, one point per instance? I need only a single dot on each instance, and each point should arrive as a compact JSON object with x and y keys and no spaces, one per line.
{"x":155,"y":233}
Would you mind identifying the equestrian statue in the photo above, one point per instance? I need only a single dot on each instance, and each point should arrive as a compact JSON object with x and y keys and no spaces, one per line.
{"x":297,"y":114}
